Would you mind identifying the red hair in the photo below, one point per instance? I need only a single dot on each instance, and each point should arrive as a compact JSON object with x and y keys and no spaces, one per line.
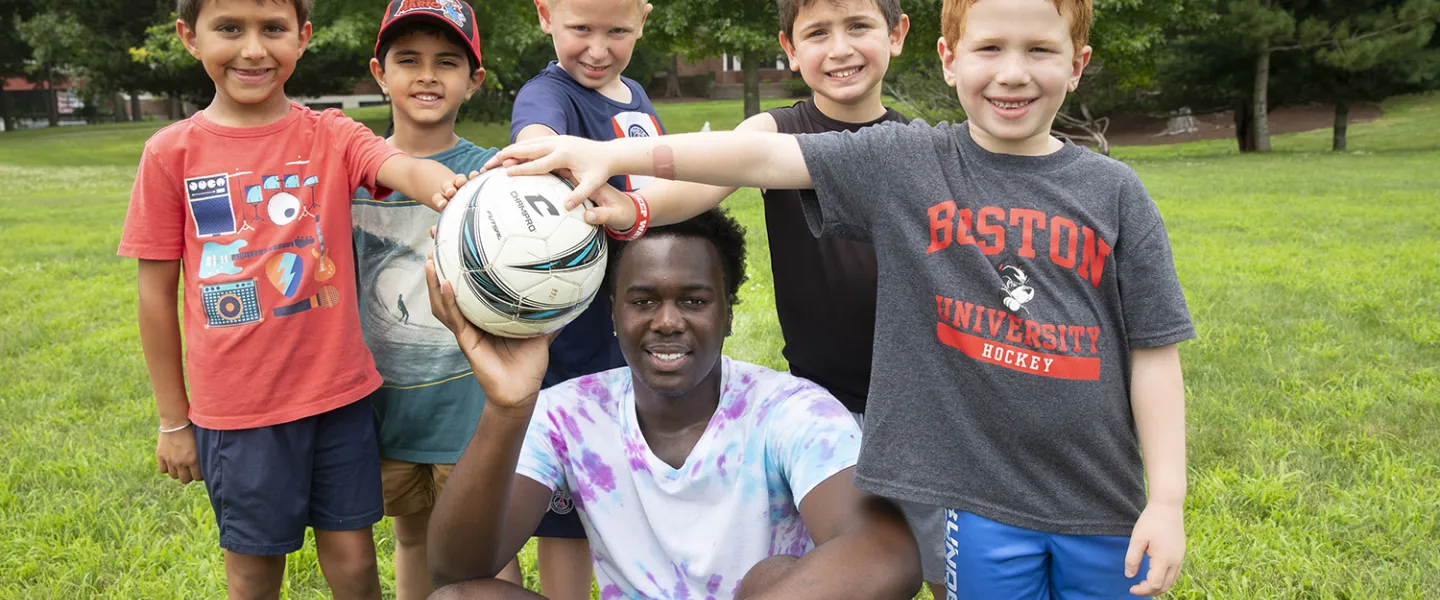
{"x":1080,"y":13}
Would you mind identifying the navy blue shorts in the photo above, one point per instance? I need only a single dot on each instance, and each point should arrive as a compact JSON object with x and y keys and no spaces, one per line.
{"x":268,"y":484}
{"x":561,"y":520}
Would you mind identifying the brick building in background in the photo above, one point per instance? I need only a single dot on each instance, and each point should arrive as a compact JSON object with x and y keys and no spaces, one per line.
{"x":722,"y":78}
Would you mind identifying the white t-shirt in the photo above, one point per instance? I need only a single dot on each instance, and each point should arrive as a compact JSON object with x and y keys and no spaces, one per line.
{"x":660,"y":532}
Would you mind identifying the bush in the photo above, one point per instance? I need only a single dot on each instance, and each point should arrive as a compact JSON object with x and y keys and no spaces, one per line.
{"x":701,"y":85}
{"x":797,"y":87}
{"x":924,"y":95}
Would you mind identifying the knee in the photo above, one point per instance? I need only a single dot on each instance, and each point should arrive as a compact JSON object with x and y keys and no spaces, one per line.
{"x":451,"y":592}
{"x":477,"y":589}
{"x":255,"y":576}
{"x":357,"y":572}
{"x":409,"y":535}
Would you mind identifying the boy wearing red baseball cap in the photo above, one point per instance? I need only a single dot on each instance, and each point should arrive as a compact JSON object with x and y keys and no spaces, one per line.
{"x":427,"y":61}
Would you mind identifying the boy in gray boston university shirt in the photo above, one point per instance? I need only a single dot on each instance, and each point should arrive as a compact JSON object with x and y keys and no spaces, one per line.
{"x":1028,"y":308}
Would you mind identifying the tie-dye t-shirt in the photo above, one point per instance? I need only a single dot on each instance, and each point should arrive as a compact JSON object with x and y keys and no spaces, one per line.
{"x":693,"y":532}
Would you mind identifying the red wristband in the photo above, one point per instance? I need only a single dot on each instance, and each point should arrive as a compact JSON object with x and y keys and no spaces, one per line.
{"x":642,"y":220}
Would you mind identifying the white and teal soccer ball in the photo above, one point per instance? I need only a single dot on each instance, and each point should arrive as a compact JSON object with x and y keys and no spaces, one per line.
{"x":520,"y":264}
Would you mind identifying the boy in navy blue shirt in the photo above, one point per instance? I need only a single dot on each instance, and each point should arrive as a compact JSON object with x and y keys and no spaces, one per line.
{"x":583,"y":94}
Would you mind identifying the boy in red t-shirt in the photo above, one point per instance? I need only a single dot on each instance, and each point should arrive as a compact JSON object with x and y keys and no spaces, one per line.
{"x":251,"y":199}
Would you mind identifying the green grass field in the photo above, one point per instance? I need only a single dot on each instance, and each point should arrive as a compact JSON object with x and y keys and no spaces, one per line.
{"x":1314,"y":388}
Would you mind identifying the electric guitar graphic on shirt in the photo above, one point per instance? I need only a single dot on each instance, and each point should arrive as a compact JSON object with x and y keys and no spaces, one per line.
{"x":324,"y":267}
{"x":219,"y":259}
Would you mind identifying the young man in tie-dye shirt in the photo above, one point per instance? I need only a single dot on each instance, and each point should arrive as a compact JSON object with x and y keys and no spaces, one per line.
{"x":695,"y":475}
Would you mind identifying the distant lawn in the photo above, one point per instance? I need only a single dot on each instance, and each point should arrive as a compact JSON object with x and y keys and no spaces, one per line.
{"x":1313,"y":390}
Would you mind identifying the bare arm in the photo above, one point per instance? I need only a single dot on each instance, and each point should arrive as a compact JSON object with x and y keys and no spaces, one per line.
{"x":725,"y":159}
{"x":1157,"y":391}
{"x":1157,"y":398}
{"x":486,"y":512}
{"x":160,"y":339}
{"x":863,"y":549}
{"x":426,"y":181}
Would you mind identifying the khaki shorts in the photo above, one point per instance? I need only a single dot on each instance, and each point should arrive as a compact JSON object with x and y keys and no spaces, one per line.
{"x":410,"y":487}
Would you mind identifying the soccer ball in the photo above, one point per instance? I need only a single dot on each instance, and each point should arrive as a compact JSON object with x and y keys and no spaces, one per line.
{"x":520,"y":265}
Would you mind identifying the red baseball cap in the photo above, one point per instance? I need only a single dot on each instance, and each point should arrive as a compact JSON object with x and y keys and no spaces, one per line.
{"x":455,"y":14}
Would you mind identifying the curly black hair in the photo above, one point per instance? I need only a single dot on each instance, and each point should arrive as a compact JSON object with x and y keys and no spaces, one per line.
{"x":714,"y":225}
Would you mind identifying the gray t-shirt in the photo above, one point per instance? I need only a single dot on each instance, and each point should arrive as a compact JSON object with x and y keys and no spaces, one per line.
{"x":1011,"y":290}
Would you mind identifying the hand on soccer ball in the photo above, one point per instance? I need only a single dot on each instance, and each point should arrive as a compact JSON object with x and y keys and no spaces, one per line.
{"x":510,"y":370}
{"x":612,"y":209}
{"x":1160,"y":533}
{"x":448,"y":190}
{"x":584,"y":162}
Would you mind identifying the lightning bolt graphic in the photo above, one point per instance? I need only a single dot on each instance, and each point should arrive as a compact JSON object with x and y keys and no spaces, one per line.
{"x":288,"y":276}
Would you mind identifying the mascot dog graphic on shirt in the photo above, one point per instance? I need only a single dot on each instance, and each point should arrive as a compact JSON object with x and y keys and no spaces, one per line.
{"x":1016,"y":289}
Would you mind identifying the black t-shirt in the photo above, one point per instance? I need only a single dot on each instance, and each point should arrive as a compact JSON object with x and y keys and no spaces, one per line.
{"x":824,"y":287}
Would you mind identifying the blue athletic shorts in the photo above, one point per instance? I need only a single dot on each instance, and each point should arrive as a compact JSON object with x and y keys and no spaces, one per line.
{"x":995,"y":561}
{"x":268,"y":484}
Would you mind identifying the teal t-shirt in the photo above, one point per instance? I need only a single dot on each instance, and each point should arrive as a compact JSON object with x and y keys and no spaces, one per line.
{"x":430,"y":402}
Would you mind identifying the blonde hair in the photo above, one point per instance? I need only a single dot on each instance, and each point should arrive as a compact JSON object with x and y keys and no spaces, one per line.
{"x":1080,"y":12}
{"x":638,"y":4}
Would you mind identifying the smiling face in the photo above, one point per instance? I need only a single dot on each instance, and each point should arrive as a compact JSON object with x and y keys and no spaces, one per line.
{"x":1011,"y":69}
{"x":427,"y":77}
{"x":671,"y":313}
{"x":249,"y":50}
{"x":593,"y":38}
{"x":843,"y":48}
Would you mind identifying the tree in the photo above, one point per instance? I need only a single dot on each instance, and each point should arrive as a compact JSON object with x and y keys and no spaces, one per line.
{"x":56,"y":40}
{"x":1125,"y":35}
{"x":743,"y":28}
{"x":1335,"y":31}
{"x":1371,"y":69}
{"x":13,"y":50}
{"x":336,"y":59}
{"x":174,"y":73}
{"x":515,"y":51}
{"x":915,"y":77}
{"x":112,"y":27}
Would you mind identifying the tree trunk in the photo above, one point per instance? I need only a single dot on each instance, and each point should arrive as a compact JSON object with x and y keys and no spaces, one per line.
{"x":752,"y":83}
{"x":1244,"y":130}
{"x":5,"y":118}
{"x":1260,"y":112}
{"x":175,"y":108}
{"x":54,"y":111}
{"x":672,"y":77}
{"x":135,"y":107}
{"x":1342,"y":125}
